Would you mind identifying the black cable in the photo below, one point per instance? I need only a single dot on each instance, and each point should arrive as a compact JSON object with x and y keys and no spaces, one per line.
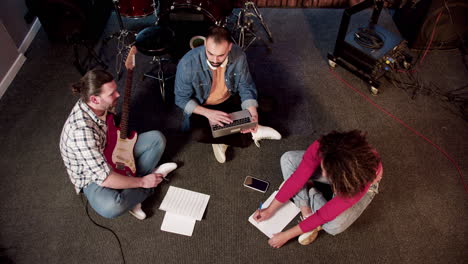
{"x":368,"y":38}
{"x":103,"y":227}
{"x":459,"y":97}
{"x":412,"y":84}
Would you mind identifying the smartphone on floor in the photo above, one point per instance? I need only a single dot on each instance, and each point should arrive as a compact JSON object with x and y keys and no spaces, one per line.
{"x":256,"y":184}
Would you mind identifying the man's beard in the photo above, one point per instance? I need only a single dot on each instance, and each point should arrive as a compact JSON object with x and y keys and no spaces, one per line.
{"x":111,"y":108}
{"x":216,"y":65}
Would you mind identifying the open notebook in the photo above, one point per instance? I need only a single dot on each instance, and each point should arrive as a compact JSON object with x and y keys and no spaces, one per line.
{"x":183,"y":208}
{"x":279,"y":220}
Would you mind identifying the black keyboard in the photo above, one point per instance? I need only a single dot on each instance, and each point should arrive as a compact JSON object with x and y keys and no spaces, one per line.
{"x":234,"y":123}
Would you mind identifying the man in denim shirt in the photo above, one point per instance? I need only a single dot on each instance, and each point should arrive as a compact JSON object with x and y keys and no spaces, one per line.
{"x":213,"y":81}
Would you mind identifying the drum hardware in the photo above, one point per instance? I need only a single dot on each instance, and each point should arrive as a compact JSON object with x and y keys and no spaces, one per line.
{"x":156,"y":41}
{"x":198,"y":8}
{"x":136,"y":8}
{"x":129,"y":9}
{"x":189,"y":18}
{"x":159,"y":75}
{"x":156,"y":10}
{"x":245,"y":25}
{"x":121,"y":37}
{"x":122,"y":31}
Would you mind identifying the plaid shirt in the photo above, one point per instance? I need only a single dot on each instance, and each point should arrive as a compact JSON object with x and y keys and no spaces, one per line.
{"x":82,"y":146}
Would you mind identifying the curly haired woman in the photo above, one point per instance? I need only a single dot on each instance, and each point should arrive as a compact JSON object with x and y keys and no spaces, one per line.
{"x":348,"y":164}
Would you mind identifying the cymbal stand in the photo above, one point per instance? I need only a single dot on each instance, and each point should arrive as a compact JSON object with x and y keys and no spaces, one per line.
{"x":121,"y":37}
{"x":244,"y":24}
{"x":156,"y":7}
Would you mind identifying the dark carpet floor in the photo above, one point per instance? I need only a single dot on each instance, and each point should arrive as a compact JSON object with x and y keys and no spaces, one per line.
{"x":419,"y":216}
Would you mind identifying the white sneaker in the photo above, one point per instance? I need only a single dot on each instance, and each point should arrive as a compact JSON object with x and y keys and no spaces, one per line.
{"x":309,"y":237}
{"x":138,"y":212}
{"x":264,"y":132}
{"x":165,"y":168}
{"x":219,"y":151}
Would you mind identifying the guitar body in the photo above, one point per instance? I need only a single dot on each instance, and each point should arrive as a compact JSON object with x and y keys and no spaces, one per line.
{"x":120,"y":143}
{"x":119,"y":151}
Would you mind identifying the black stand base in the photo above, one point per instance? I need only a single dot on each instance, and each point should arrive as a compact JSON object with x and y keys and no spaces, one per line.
{"x":159,"y":75}
{"x":243,"y":30}
{"x":373,"y":82}
{"x":82,"y":65}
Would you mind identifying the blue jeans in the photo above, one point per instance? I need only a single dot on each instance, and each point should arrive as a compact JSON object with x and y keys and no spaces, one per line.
{"x":315,"y":200}
{"x":111,"y":203}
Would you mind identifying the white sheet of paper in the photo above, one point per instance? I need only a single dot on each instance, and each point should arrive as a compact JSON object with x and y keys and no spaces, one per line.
{"x":279,"y":220}
{"x":184,"y":202}
{"x":178,"y":224}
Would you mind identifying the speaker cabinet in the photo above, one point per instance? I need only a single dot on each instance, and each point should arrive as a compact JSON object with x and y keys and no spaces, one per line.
{"x":416,"y":21}
{"x":64,"y":20}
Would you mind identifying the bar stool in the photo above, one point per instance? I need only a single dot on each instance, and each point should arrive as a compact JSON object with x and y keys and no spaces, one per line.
{"x":156,"y":41}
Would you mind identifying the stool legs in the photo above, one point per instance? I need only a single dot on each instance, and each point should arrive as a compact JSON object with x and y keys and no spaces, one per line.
{"x":159,"y":76}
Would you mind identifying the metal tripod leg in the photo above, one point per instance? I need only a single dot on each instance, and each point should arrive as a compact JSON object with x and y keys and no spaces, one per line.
{"x":121,"y":37}
{"x":122,"y":29}
{"x":242,"y":33}
{"x":245,"y":25}
{"x":260,"y":18}
{"x":160,"y":77}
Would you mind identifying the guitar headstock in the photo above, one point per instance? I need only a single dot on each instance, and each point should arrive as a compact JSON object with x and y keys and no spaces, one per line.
{"x":130,"y":61}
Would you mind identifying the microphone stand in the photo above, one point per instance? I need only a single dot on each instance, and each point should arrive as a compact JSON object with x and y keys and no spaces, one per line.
{"x":244,"y":24}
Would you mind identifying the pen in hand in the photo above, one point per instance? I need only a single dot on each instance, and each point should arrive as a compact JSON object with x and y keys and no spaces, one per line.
{"x":258,"y":210}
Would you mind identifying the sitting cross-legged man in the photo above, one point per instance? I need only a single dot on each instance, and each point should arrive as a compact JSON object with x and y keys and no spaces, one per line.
{"x":347,"y":163}
{"x":83,"y":142}
{"x":212,"y":81}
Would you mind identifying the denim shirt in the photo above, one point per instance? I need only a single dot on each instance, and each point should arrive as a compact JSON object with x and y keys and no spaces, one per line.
{"x":193,"y":79}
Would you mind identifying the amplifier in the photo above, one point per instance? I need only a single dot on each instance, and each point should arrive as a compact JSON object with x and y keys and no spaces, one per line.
{"x":374,"y":62}
{"x":371,"y":51}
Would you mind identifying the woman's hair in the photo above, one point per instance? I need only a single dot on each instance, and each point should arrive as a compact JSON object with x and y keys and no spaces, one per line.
{"x":91,"y":83}
{"x":219,"y":34}
{"x":349,"y":161}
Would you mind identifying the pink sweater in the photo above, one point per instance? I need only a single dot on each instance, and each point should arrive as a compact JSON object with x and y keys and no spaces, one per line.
{"x":310,"y":162}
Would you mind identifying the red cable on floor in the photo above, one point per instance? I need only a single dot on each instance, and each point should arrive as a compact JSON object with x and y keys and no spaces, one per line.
{"x":407,"y":126}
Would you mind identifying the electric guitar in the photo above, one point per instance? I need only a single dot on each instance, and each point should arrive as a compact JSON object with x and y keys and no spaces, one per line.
{"x":120,"y":145}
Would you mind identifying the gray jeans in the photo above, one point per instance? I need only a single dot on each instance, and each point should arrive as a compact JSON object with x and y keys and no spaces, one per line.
{"x":313,"y":198}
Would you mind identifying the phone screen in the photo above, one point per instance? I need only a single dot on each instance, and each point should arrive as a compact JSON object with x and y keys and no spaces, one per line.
{"x":256,"y":184}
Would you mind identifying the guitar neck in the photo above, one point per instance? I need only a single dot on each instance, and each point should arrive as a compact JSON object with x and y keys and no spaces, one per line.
{"x":126,"y":105}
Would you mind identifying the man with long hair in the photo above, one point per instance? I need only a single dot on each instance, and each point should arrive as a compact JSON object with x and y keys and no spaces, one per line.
{"x":348,"y":164}
{"x":212,"y":81}
{"x":82,"y":145}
